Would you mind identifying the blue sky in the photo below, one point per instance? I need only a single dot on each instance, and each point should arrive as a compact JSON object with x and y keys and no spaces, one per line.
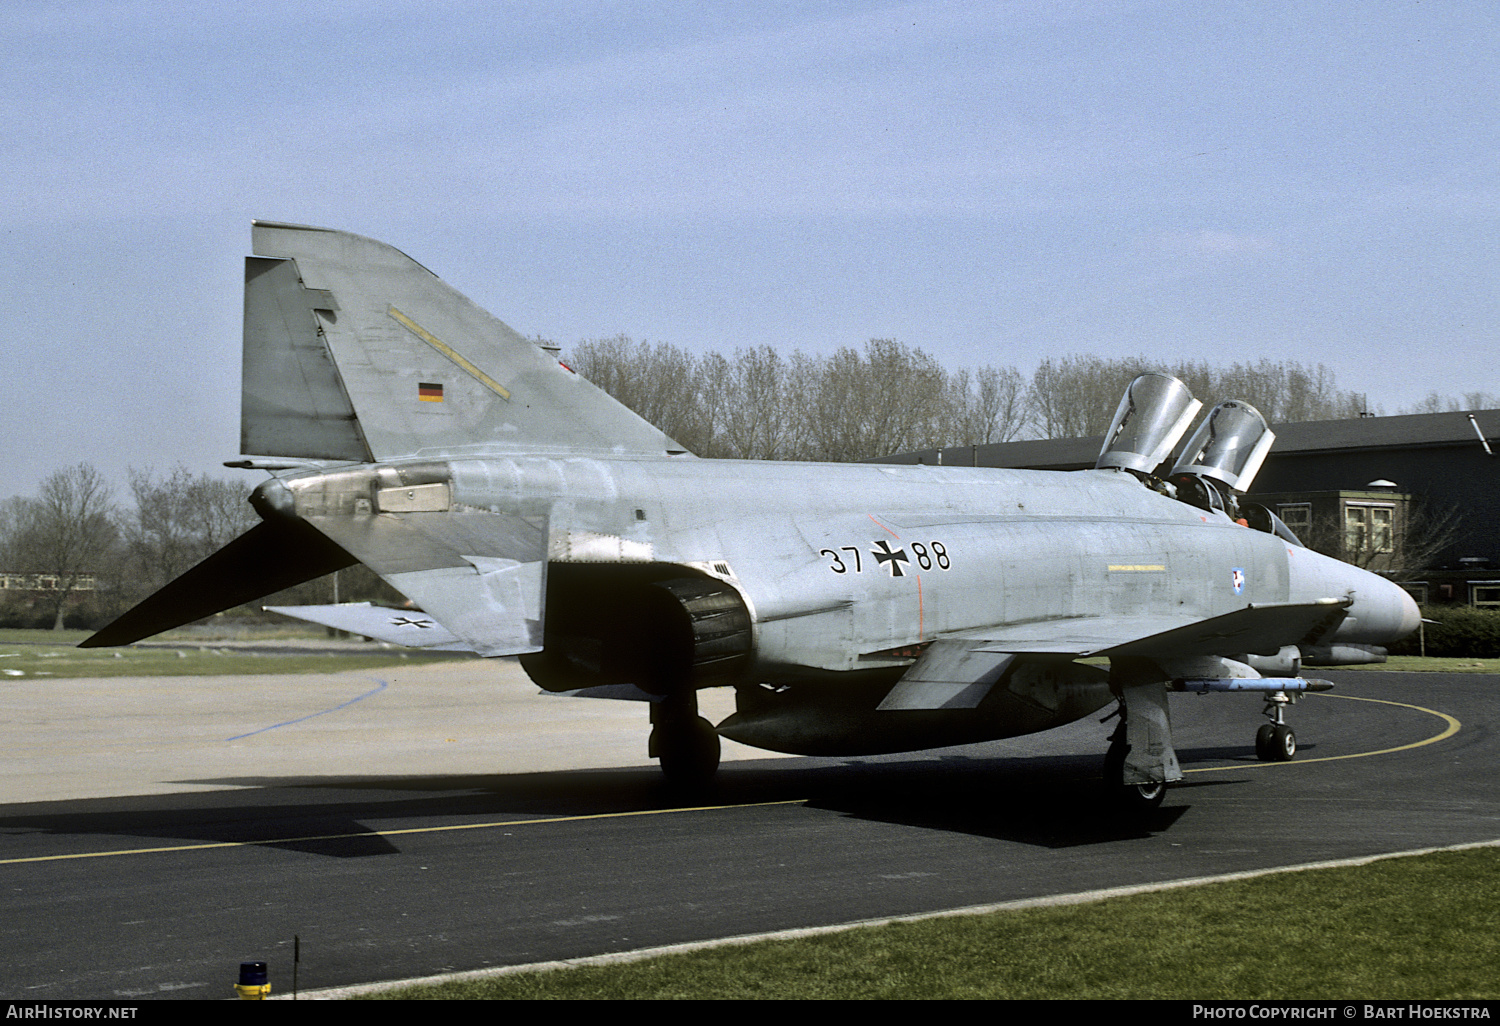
{"x":993,"y":182}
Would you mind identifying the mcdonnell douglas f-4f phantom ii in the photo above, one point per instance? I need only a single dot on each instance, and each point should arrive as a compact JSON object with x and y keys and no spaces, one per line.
{"x":855,"y":609}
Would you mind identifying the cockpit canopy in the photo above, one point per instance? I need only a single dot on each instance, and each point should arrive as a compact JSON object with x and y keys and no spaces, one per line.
{"x":1216,"y":466}
{"x":1228,"y":447}
{"x":1154,"y":414}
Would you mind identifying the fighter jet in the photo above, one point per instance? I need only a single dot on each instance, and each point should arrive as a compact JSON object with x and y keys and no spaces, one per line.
{"x":855,"y":609}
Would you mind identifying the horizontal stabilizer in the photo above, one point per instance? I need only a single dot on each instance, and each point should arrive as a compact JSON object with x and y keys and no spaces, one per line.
{"x":267,"y":558}
{"x":393,"y":626}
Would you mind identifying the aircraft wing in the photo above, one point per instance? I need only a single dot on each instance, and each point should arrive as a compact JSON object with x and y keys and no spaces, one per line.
{"x":958,"y":672}
{"x":413,"y":629}
{"x":1075,"y":636}
{"x":1259,"y":628}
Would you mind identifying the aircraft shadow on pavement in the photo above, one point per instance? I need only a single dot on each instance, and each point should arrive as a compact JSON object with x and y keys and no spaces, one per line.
{"x":1048,"y":801}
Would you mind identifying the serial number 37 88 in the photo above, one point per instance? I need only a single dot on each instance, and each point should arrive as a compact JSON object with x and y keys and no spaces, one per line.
{"x":849,"y":558}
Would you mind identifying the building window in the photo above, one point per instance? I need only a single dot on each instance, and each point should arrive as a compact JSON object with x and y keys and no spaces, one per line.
{"x":1485,"y":594}
{"x":1382,"y":536}
{"x":1297,"y":516}
{"x":1369,"y":528}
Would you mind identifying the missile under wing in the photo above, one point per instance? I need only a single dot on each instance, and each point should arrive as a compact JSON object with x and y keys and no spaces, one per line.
{"x":853,"y":608}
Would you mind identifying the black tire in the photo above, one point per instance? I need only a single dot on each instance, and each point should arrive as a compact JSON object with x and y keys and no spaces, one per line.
{"x":1134,"y":798}
{"x":689,"y":754}
{"x":1265,"y":743}
{"x":1143,"y":797}
{"x":1283,"y":743}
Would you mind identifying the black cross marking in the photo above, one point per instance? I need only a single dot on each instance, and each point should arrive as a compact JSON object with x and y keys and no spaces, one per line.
{"x":406,"y":621}
{"x":885,"y":555}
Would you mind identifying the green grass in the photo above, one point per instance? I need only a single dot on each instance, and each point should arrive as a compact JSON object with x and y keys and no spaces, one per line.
{"x":194,"y":635}
{"x":1423,"y":664}
{"x":28,"y":654}
{"x":29,"y":636}
{"x":1425,"y":927}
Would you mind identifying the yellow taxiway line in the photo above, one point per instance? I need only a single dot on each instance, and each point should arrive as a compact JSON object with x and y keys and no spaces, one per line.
{"x":1452,"y":728}
{"x":387,"y":833}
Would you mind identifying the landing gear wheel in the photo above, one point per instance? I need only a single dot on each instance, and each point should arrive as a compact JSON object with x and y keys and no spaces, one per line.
{"x":1264,"y":739}
{"x":688,"y":752}
{"x":1275,"y":742}
{"x":1129,"y":797}
{"x":1283,"y":743}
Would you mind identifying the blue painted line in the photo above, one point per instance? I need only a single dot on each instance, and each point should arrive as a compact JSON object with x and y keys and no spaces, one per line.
{"x":287,"y":723}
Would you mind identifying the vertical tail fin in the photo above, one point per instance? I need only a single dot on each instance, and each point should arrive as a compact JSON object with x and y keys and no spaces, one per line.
{"x":354,"y":351}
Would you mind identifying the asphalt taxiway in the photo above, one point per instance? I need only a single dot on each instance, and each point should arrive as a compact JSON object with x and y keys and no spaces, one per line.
{"x":155,"y":833}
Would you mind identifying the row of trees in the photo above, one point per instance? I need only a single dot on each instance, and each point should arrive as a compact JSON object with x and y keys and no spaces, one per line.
{"x":75,"y":532}
{"x":1435,"y":403}
{"x":67,"y":532}
{"x":763,"y":405}
{"x":851,"y":405}
{"x":758,"y":404}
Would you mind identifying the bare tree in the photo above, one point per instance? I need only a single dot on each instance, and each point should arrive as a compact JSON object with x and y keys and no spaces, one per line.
{"x":890,"y":397}
{"x":994,"y":411}
{"x":1418,"y":534}
{"x":1076,"y":396}
{"x":1435,"y":403}
{"x":660,"y":382}
{"x":64,"y":534}
{"x":178,"y":521}
{"x":756,"y":419}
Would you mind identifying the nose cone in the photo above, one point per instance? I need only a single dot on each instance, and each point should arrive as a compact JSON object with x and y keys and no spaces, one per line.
{"x":1411,"y":616}
{"x":1382,"y":612}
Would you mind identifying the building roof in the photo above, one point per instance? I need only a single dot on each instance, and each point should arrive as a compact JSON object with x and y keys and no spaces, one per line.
{"x":1420,"y":430}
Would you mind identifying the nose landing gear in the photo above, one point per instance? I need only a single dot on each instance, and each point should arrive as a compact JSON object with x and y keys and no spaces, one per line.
{"x":1275,"y":742}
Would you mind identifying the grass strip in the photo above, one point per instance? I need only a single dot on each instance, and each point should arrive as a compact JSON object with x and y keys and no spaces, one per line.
{"x":196,"y":652}
{"x":1423,"y":927}
{"x":1423,"y":664}
{"x":37,"y":662}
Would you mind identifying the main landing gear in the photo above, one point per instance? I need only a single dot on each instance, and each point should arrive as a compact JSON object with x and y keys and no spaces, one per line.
{"x":1132,"y":798}
{"x":1140,"y":761}
{"x":684,"y":743}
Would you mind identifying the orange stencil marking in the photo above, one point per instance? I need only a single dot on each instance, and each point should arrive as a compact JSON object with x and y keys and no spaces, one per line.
{"x":878,"y":524}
